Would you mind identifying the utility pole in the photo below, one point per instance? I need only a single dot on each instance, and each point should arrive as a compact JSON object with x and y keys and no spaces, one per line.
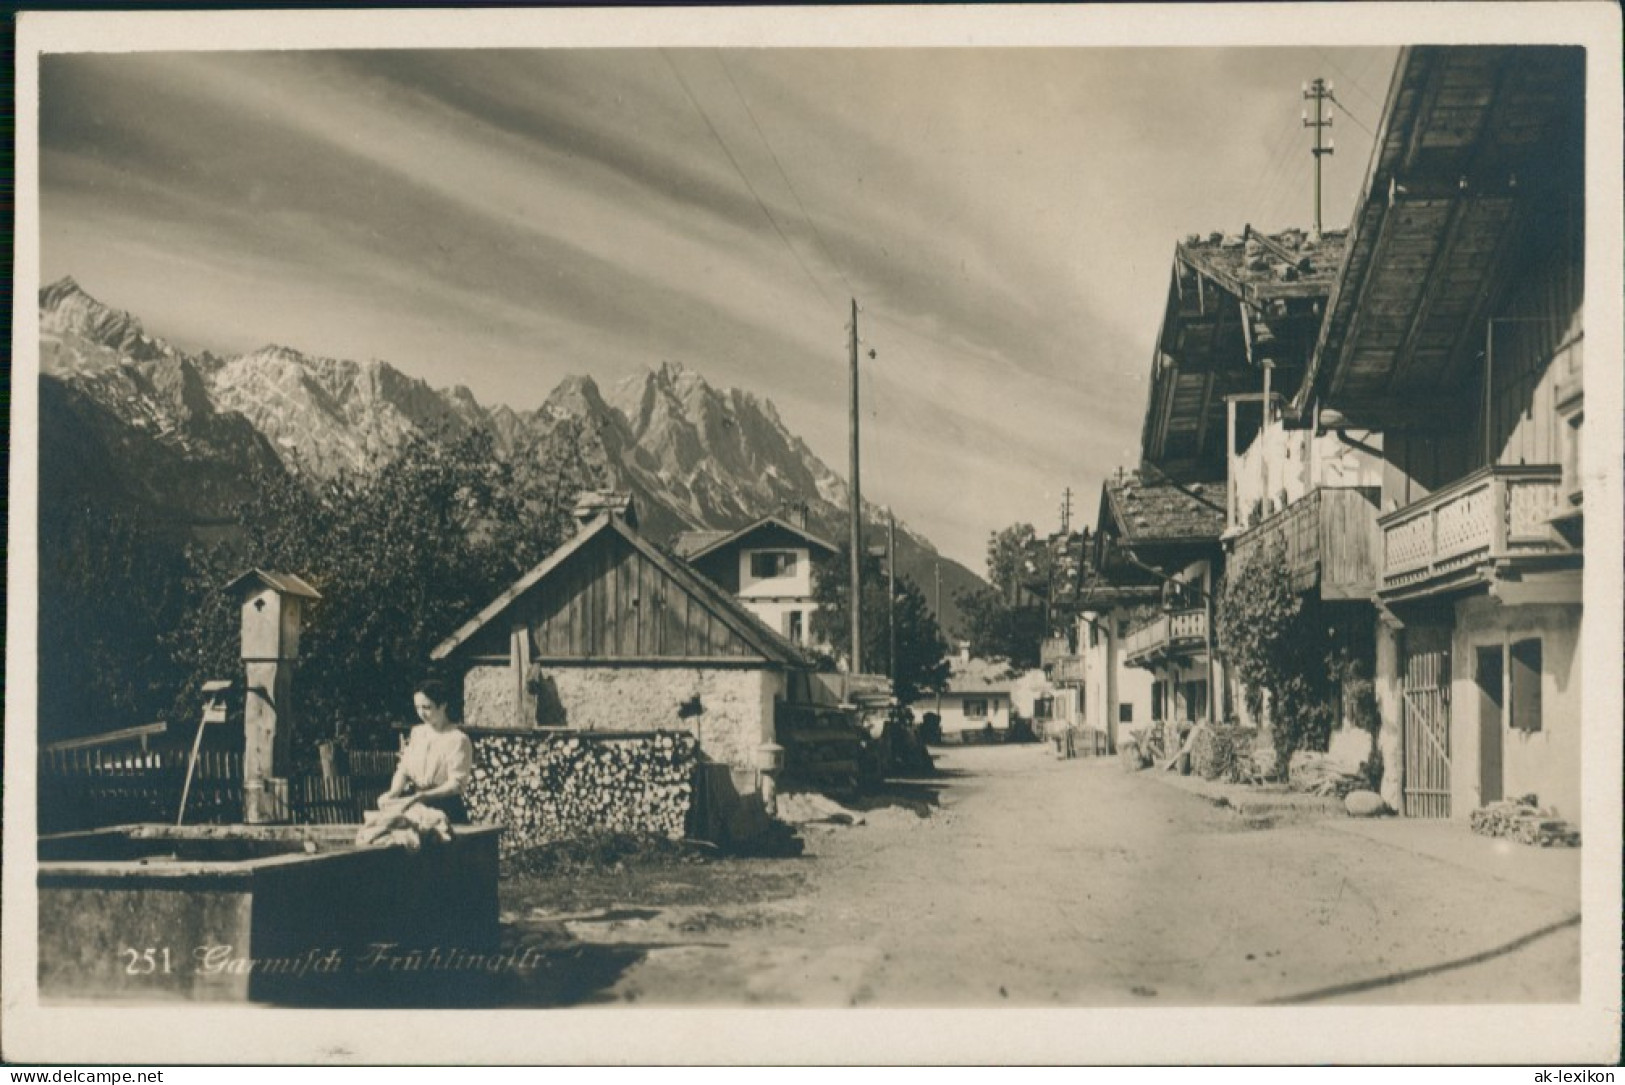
{"x":1066,"y":510}
{"x":936,"y":575}
{"x":1319,"y":92}
{"x":855,"y":599}
{"x":891,"y":592}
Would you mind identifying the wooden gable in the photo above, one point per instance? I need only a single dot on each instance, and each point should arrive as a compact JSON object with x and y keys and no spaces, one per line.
{"x":609,"y":595}
{"x":611,"y":601}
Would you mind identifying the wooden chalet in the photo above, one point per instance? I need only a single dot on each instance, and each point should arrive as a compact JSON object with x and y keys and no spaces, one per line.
{"x":1455,"y":328}
{"x":612,"y":634}
{"x":1158,"y":544}
{"x":1240,"y":320}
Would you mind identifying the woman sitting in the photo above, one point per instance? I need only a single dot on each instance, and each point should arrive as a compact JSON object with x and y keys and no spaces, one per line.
{"x":438,"y":760}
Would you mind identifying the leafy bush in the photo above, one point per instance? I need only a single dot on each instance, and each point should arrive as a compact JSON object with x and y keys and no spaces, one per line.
{"x":1278,"y":644}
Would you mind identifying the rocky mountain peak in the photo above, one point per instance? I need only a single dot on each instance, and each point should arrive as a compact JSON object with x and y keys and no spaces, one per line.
{"x":65,"y":309}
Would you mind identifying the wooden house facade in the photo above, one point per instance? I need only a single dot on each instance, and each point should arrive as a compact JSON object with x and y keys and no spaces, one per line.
{"x":1456,"y":330}
{"x":610,"y":634}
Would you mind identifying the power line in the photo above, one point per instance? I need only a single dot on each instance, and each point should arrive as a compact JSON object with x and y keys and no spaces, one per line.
{"x":736,"y":167}
{"x":811,"y":225}
{"x":1351,"y":80}
{"x":1280,"y":155}
{"x":1349,"y":113}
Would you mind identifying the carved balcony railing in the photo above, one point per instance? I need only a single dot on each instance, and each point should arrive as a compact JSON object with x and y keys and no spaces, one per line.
{"x":1172,"y":633}
{"x":1454,"y":534}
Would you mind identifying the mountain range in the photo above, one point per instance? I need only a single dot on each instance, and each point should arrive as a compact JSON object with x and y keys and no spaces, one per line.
{"x":129,"y":420}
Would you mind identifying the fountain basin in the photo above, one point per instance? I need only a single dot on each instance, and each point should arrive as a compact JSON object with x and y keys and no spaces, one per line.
{"x":234,"y":913}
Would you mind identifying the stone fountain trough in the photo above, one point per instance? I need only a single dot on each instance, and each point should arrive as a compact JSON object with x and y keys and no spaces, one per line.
{"x":265,"y":913}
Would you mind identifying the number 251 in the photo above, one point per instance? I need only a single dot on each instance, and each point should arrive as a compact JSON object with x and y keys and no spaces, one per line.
{"x":146,"y":962}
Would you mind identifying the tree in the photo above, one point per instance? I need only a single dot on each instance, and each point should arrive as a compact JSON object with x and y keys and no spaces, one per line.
{"x":1278,"y":642}
{"x":999,"y":630}
{"x":1004,"y":621}
{"x":401,"y":558}
{"x":1016,"y":563}
{"x":922,"y":651}
{"x":110,"y":588}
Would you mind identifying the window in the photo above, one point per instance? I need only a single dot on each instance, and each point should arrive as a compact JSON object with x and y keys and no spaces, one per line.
{"x":1094,"y":635}
{"x":1524,"y":659}
{"x":770,"y":564}
{"x":1156,"y":701}
{"x":1125,"y":713}
{"x":1044,"y":708}
{"x":795,"y":627}
{"x":1122,"y":628}
{"x":975,"y":709}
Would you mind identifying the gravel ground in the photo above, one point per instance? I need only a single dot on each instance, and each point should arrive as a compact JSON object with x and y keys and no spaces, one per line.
{"x":1017,"y":879}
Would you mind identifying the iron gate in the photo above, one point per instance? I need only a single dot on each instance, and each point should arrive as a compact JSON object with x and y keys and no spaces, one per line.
{"x":1427,"y":733}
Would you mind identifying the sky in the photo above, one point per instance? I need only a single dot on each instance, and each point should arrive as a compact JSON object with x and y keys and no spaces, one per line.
{"x":502,"y":218}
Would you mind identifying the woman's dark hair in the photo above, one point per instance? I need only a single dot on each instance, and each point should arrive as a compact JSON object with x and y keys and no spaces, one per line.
{"x":438,"y":690}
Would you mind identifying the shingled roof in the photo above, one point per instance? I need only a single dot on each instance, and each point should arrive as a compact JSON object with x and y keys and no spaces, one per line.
{"x":1260,"y":267}
{"x":1159,"y":510}
{"x":1236,"y":302}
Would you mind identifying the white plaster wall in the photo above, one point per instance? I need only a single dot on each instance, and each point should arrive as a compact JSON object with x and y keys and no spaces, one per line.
{"x":1027,"y":688}
{"x":736,"y":703}
{"x":1545,"y":763}
{"x":775,"y":614}
{"x":798,"y":583}
{"x":953,"y":712}
{"x":1133,"y":687}
{"x":1295,"y":462}
{"x":1112,"y":682}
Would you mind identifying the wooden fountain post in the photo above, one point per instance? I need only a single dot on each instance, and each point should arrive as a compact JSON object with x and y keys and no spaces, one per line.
{"x":272,"y":612}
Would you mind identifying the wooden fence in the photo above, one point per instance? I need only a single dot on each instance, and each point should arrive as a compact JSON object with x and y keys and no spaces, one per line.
{"x":87,"y":788}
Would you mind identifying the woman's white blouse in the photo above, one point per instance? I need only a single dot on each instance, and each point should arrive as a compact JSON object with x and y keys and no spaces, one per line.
{"x":432,"y":758}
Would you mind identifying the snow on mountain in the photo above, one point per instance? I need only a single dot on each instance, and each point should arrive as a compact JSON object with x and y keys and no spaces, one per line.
{"x":695,"y":456}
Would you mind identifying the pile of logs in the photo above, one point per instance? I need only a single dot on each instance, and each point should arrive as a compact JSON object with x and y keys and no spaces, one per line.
{"x":1523,"y":821}
{"x":549,"y":786}
{"x":1323,"y":774}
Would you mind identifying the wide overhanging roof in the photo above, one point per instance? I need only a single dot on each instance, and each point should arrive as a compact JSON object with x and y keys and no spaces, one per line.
{"x":1474,"y":141}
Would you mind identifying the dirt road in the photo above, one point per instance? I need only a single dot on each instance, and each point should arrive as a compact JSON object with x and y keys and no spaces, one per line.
{"x":1018,"y":879}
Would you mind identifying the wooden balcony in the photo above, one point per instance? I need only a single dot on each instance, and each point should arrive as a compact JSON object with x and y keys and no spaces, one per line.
{"x":1065,"y":670}
{"x":1331,"y":539}
{"x":1053,"y":648}
{"x":1455,"y":536}
{"x":1169,"y":634}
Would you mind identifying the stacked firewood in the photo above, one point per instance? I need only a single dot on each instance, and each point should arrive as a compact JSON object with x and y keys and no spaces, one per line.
{"x":1322,"y":774}
{"x":1522,"y":820}
{"x":547,"y":786}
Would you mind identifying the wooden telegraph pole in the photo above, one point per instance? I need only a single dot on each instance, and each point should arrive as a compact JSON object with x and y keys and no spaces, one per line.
{"x":855,"y":599}
{"x":891,"y":591}
{"x":1318,"y":92}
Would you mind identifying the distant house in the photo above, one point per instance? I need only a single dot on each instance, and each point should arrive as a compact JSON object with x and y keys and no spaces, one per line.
{"x":610,"y":634}
{"x":975,"y":704}
{"x":768,"y":566}
{"x":1158,"y":553}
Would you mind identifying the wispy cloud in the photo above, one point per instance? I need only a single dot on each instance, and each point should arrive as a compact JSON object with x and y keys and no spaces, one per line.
{"x":501,"y":218}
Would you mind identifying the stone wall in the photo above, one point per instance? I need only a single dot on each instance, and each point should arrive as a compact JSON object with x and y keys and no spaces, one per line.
{"x":729,"y":709}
